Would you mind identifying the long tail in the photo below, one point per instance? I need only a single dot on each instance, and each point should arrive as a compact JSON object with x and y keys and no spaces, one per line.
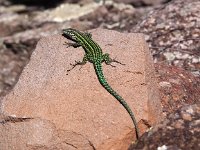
{"x":103,"y":82}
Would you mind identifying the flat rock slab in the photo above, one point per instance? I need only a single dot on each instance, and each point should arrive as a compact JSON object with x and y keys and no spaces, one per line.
{"x":50,"y":108}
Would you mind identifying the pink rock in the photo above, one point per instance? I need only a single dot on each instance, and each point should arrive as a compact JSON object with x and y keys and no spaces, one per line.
{"x":71,"y":110}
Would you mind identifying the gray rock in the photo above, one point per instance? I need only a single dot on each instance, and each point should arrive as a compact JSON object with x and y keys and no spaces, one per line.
{"x":174,"y":28}
{"x":179,"y":131}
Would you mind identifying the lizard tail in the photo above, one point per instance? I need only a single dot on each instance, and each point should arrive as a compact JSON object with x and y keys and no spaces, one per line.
{"x":104,"y":83}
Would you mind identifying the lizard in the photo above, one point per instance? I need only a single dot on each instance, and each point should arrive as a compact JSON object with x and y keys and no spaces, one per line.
{"x":94,"y":55}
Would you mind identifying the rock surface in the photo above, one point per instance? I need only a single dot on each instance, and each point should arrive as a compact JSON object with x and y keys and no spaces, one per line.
{"x":142,"y":2}
{"x":173,"y":33}
{"x":49,"y":109}
{"x":178,"y":87}
{"x":180,"y":130}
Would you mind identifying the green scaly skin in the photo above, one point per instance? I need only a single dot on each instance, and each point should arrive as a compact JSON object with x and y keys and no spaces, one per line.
{"x":94,"y":54}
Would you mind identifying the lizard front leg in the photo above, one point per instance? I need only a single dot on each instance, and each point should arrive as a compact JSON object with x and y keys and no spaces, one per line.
{"x":83,"y":62}
{"x":75,"y":45}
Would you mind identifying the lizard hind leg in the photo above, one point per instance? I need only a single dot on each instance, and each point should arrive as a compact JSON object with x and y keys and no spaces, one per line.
{"x":83,"y":62}
{"x":109,"y":60}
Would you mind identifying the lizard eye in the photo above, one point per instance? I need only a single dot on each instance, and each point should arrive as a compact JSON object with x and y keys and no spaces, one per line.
{"x":72,"y":35}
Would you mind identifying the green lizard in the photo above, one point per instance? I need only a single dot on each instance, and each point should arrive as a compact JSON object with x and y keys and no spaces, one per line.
{"x":94,"y":54}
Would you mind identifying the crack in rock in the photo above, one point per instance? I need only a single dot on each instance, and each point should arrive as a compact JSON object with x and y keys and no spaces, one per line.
{"x":7,"y":119}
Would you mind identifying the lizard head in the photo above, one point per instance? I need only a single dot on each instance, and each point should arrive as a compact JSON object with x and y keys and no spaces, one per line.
{"x":71,"y":34}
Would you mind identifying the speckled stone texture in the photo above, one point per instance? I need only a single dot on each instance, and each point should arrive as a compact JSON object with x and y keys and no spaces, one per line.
{"x":50,"y":108}
{"x":173,"y":33}
{"x":180,"y":130}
